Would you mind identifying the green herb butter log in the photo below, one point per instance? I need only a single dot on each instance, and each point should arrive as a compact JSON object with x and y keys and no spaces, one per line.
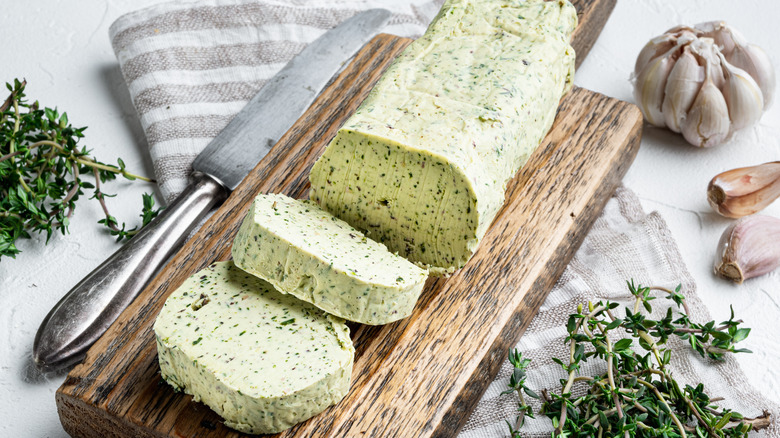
{"x":422,"y":165}
{"x":307,"y":252}
{"x":262,"y":360}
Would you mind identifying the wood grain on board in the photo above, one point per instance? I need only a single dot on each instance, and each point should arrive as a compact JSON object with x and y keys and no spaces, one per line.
{"x":420,"y":376}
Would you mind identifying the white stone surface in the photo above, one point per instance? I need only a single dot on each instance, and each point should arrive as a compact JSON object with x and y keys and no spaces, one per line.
{"x":62,"y":49}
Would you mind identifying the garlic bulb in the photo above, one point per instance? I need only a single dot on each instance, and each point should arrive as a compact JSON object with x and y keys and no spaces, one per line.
{"x":704,"y":81}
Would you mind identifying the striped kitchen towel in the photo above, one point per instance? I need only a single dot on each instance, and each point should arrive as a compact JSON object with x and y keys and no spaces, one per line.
{"x":191,"y":67}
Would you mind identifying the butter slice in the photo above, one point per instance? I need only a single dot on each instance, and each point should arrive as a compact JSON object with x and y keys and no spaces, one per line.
{"x":422,"y":165}
{"x":262,"y":360}
{"x":306,"y":252}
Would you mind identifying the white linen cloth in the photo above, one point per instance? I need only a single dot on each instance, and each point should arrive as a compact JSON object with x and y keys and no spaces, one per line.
{"x":190,"y":67}
{"x":623,"y":244}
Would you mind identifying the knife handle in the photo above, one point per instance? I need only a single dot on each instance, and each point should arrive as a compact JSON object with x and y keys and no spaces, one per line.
{"x":86,"y":312}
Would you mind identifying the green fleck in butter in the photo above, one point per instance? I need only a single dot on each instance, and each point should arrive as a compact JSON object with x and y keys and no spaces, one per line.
{"x":422,"y":165}
{"x":305,"y":251}
{"x":262,"y":360}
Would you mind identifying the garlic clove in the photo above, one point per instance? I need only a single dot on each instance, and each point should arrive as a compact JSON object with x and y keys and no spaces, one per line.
{"x":749,"y":248}
{"x":682,"y":86}
{"x":757,"y":64}
{"x":650,"y":85}
{"x":707,"y":122}
{"x":743,"y":97}
{"x":654,"y":48}
{"x":746,"y":190}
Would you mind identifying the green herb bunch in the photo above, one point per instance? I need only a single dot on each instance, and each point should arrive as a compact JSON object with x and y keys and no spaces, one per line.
{"x":637,"y":395}
{"x":42,"y":173}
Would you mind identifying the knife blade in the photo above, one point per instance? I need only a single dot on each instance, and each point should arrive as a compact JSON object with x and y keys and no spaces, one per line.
{"x":86,"y":312}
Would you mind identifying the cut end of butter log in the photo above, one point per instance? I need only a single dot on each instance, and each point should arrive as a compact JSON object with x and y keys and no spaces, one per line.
{"x":423,"y":164}
{"x":262,"y":360}
{"x":306,"y":252}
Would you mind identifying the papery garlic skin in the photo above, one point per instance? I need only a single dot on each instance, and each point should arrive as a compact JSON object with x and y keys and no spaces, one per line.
{"x":725,"y":36}
{"x":670,"y":90}
{"x":745,"y":190}
{"x":749,"y":248}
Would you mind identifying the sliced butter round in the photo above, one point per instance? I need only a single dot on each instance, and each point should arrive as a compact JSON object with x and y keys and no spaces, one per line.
{"x":307,"y":252}
{"x":262,"y":360}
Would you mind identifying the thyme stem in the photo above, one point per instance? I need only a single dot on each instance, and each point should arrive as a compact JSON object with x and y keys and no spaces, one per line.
{"x":662,"y":399}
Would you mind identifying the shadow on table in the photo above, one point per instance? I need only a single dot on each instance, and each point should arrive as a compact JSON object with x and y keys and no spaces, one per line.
{"x":30,"y":373}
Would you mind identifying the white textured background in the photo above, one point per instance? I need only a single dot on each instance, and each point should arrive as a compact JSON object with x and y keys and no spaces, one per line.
{"x":62,"y":49}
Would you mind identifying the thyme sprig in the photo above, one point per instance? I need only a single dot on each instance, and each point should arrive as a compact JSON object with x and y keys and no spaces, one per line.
{"x":517,"y":384}
{"x":637,"y":396}
{"x":42,"y":172}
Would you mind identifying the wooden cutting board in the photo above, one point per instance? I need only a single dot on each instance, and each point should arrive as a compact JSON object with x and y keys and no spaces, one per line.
{"x":423,"y":375}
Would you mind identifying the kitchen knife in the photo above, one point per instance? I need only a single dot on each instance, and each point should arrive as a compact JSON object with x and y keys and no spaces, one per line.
{"x":86,"y":312}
